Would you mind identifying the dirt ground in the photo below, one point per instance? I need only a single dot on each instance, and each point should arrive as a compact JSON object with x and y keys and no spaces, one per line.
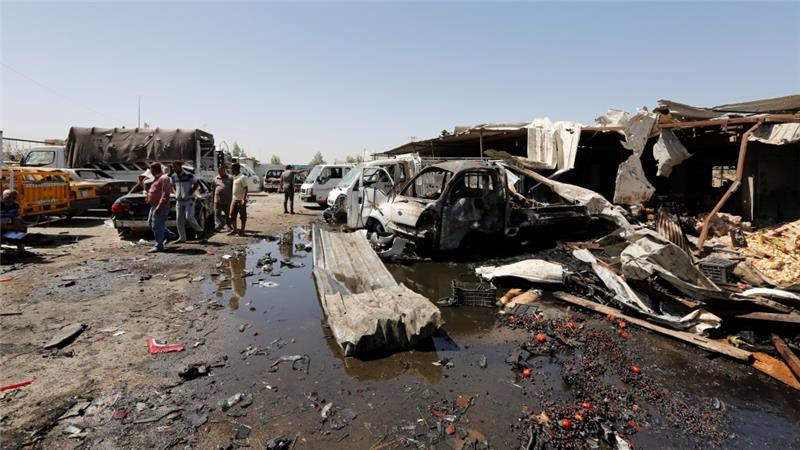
{"x":81,"y":272}
{"x":104,"y":391}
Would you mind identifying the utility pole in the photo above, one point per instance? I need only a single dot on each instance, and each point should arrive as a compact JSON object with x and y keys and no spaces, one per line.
{"x":139,"y":114}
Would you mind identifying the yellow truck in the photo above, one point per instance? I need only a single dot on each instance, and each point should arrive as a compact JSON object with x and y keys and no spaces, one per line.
{"x":41,"y":192}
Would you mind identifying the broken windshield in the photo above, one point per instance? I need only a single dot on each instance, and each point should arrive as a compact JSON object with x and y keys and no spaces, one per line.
{"x":312,"y":176}
{"x":428,"y":184}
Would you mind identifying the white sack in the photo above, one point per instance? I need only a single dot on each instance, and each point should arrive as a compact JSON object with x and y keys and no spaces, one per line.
{"x":533,"y":270}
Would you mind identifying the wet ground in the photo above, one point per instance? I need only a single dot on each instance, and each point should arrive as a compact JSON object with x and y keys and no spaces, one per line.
{"x":385,"y":400}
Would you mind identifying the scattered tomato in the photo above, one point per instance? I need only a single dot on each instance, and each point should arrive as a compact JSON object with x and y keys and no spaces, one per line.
{"x":450,"y":430}
{"x":540,"y":338}
{"x":610,"y":317}
{"x":623,"y":333}
{"x":526,"y":373}
{"x":566,"y":423}
{"x":578,"y":417}
{"x":586,"y":405}
{"x":511,"y":318}
{"x":636,"y":370}
{"x":570,"y":325}
{"x":622,"y":324}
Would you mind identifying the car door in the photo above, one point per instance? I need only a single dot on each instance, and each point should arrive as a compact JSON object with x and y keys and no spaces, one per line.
{"x":474,"y":203}
{"x":375,"y":187}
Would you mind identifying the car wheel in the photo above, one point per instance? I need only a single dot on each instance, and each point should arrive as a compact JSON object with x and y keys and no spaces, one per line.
{"x":123,"y":232}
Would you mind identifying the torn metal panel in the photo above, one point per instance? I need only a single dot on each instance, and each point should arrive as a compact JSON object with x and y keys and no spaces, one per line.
{"x":777,"y":134}
{"x":632,"y":186}
{"x":698,"y":321}
{"x":553,"y":144}
{"x":614,"y":118}
{"x":533,"y":270}
{"x":669,"y":152}
{"x":667,"y":226}
{"x":650,"y":254}
{"x":365,"y":307}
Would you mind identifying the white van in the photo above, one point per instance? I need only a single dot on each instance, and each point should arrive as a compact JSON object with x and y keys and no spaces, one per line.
{"x":321,"y":180}
{"x":367,"y":187}
{"x":253,"y":180}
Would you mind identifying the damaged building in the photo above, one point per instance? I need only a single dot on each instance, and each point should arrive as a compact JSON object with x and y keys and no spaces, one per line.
{"x":738,"y":158}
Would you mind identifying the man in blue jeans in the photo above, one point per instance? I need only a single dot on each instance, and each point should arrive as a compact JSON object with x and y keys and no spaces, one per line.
{"x":185,"y":185}
{"x":158,"y":199}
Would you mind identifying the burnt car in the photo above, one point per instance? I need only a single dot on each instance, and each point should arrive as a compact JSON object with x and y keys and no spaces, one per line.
{"x":456,"y":204}
{"x":107,"y":188}
{"x":131,"y":211}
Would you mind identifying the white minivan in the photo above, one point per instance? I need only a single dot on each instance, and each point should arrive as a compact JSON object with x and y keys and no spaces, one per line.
{"x":321,"y":180}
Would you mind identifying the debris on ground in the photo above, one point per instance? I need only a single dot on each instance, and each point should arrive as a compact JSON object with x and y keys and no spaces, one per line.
{"x":65,"y":336}
{"x":155,"y":346}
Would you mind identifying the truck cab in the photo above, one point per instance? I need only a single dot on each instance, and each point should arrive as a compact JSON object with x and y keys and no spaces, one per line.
{"x":49,"y":156}
{"x":321,"y":180}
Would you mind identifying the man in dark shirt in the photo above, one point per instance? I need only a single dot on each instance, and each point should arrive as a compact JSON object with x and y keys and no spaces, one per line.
{"x":287,"y":186}
{"x":10,"y":220}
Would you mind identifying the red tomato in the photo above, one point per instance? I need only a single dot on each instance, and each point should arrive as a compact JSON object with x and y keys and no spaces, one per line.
{"x":636,"y":370}
{"x":586,"y":405}
{"x":526,"y":373}
{"x":540,"y":338}
{"x":570,"y":325}
{"x":511,"y":318}
{"x":610,"y":317}
{"x":566,"y":423}
{"x":622,"y":324}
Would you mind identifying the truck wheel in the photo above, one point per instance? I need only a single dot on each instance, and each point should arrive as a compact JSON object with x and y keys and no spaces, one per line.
{"x":373,"y":226}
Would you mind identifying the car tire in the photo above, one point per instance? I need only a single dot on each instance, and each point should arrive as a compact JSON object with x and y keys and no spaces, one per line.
{"x":123,"y":232}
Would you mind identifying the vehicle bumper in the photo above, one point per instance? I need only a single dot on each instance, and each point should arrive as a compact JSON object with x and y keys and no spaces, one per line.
{"x":138,"y":224}
{"x":311,"y":198}
{"x":85,"y":204}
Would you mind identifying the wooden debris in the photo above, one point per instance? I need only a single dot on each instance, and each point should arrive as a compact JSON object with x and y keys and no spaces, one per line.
{"x":771,"y":317}
{"x":775,"y":368}
{"x":786,"y":353}
{"x":700,"y":341}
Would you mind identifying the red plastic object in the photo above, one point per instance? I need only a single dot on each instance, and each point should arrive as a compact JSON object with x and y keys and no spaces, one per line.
{"x":16,"y":385}
{"x":159,"y":346}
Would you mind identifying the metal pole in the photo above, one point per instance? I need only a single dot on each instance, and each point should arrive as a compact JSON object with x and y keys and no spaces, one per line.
{"x":139,"y":114}
{"x":481,"y":136}
{"x":734,"y":186}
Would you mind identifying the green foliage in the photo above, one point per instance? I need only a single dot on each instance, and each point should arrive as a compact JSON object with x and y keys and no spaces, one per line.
{"x":275,"y":160}
{"x":237,"y":151}
{"x":317,"y":160}
{"x":354,"y":159}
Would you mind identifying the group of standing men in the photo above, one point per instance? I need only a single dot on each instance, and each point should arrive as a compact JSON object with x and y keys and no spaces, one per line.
{"x":230,"y":196}
{"x":230,"y":200}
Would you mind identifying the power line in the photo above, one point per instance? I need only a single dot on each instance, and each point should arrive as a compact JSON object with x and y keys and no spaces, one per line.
{"x":64,"y":96}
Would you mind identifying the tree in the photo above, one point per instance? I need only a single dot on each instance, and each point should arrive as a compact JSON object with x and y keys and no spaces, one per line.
{"x":354,"y":159}
{"x":317,"y":160}
{"x":275,"y":160}
{"x":237,"y":151}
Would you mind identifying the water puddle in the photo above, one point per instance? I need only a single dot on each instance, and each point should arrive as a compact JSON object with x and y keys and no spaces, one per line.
{"x":287,"y":319}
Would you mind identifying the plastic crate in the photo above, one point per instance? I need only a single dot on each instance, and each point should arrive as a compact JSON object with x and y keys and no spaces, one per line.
{"x":718,"y":270}
{"x":474,"y":294}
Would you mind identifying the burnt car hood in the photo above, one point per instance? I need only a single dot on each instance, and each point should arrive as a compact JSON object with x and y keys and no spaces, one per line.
{"x":407,"y":210}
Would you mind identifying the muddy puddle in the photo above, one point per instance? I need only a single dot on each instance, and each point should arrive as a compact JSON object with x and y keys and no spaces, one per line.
{"x":389,"y":395}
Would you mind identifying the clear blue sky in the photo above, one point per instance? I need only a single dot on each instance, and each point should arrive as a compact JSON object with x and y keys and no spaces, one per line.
{"x":292,"y":79}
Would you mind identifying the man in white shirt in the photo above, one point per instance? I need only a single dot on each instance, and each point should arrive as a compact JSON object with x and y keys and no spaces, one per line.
{"x":184,"y":184}
{"x":239,"y":204}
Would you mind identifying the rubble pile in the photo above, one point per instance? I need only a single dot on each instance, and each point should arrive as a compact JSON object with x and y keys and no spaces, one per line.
{"x":776,"y":252}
